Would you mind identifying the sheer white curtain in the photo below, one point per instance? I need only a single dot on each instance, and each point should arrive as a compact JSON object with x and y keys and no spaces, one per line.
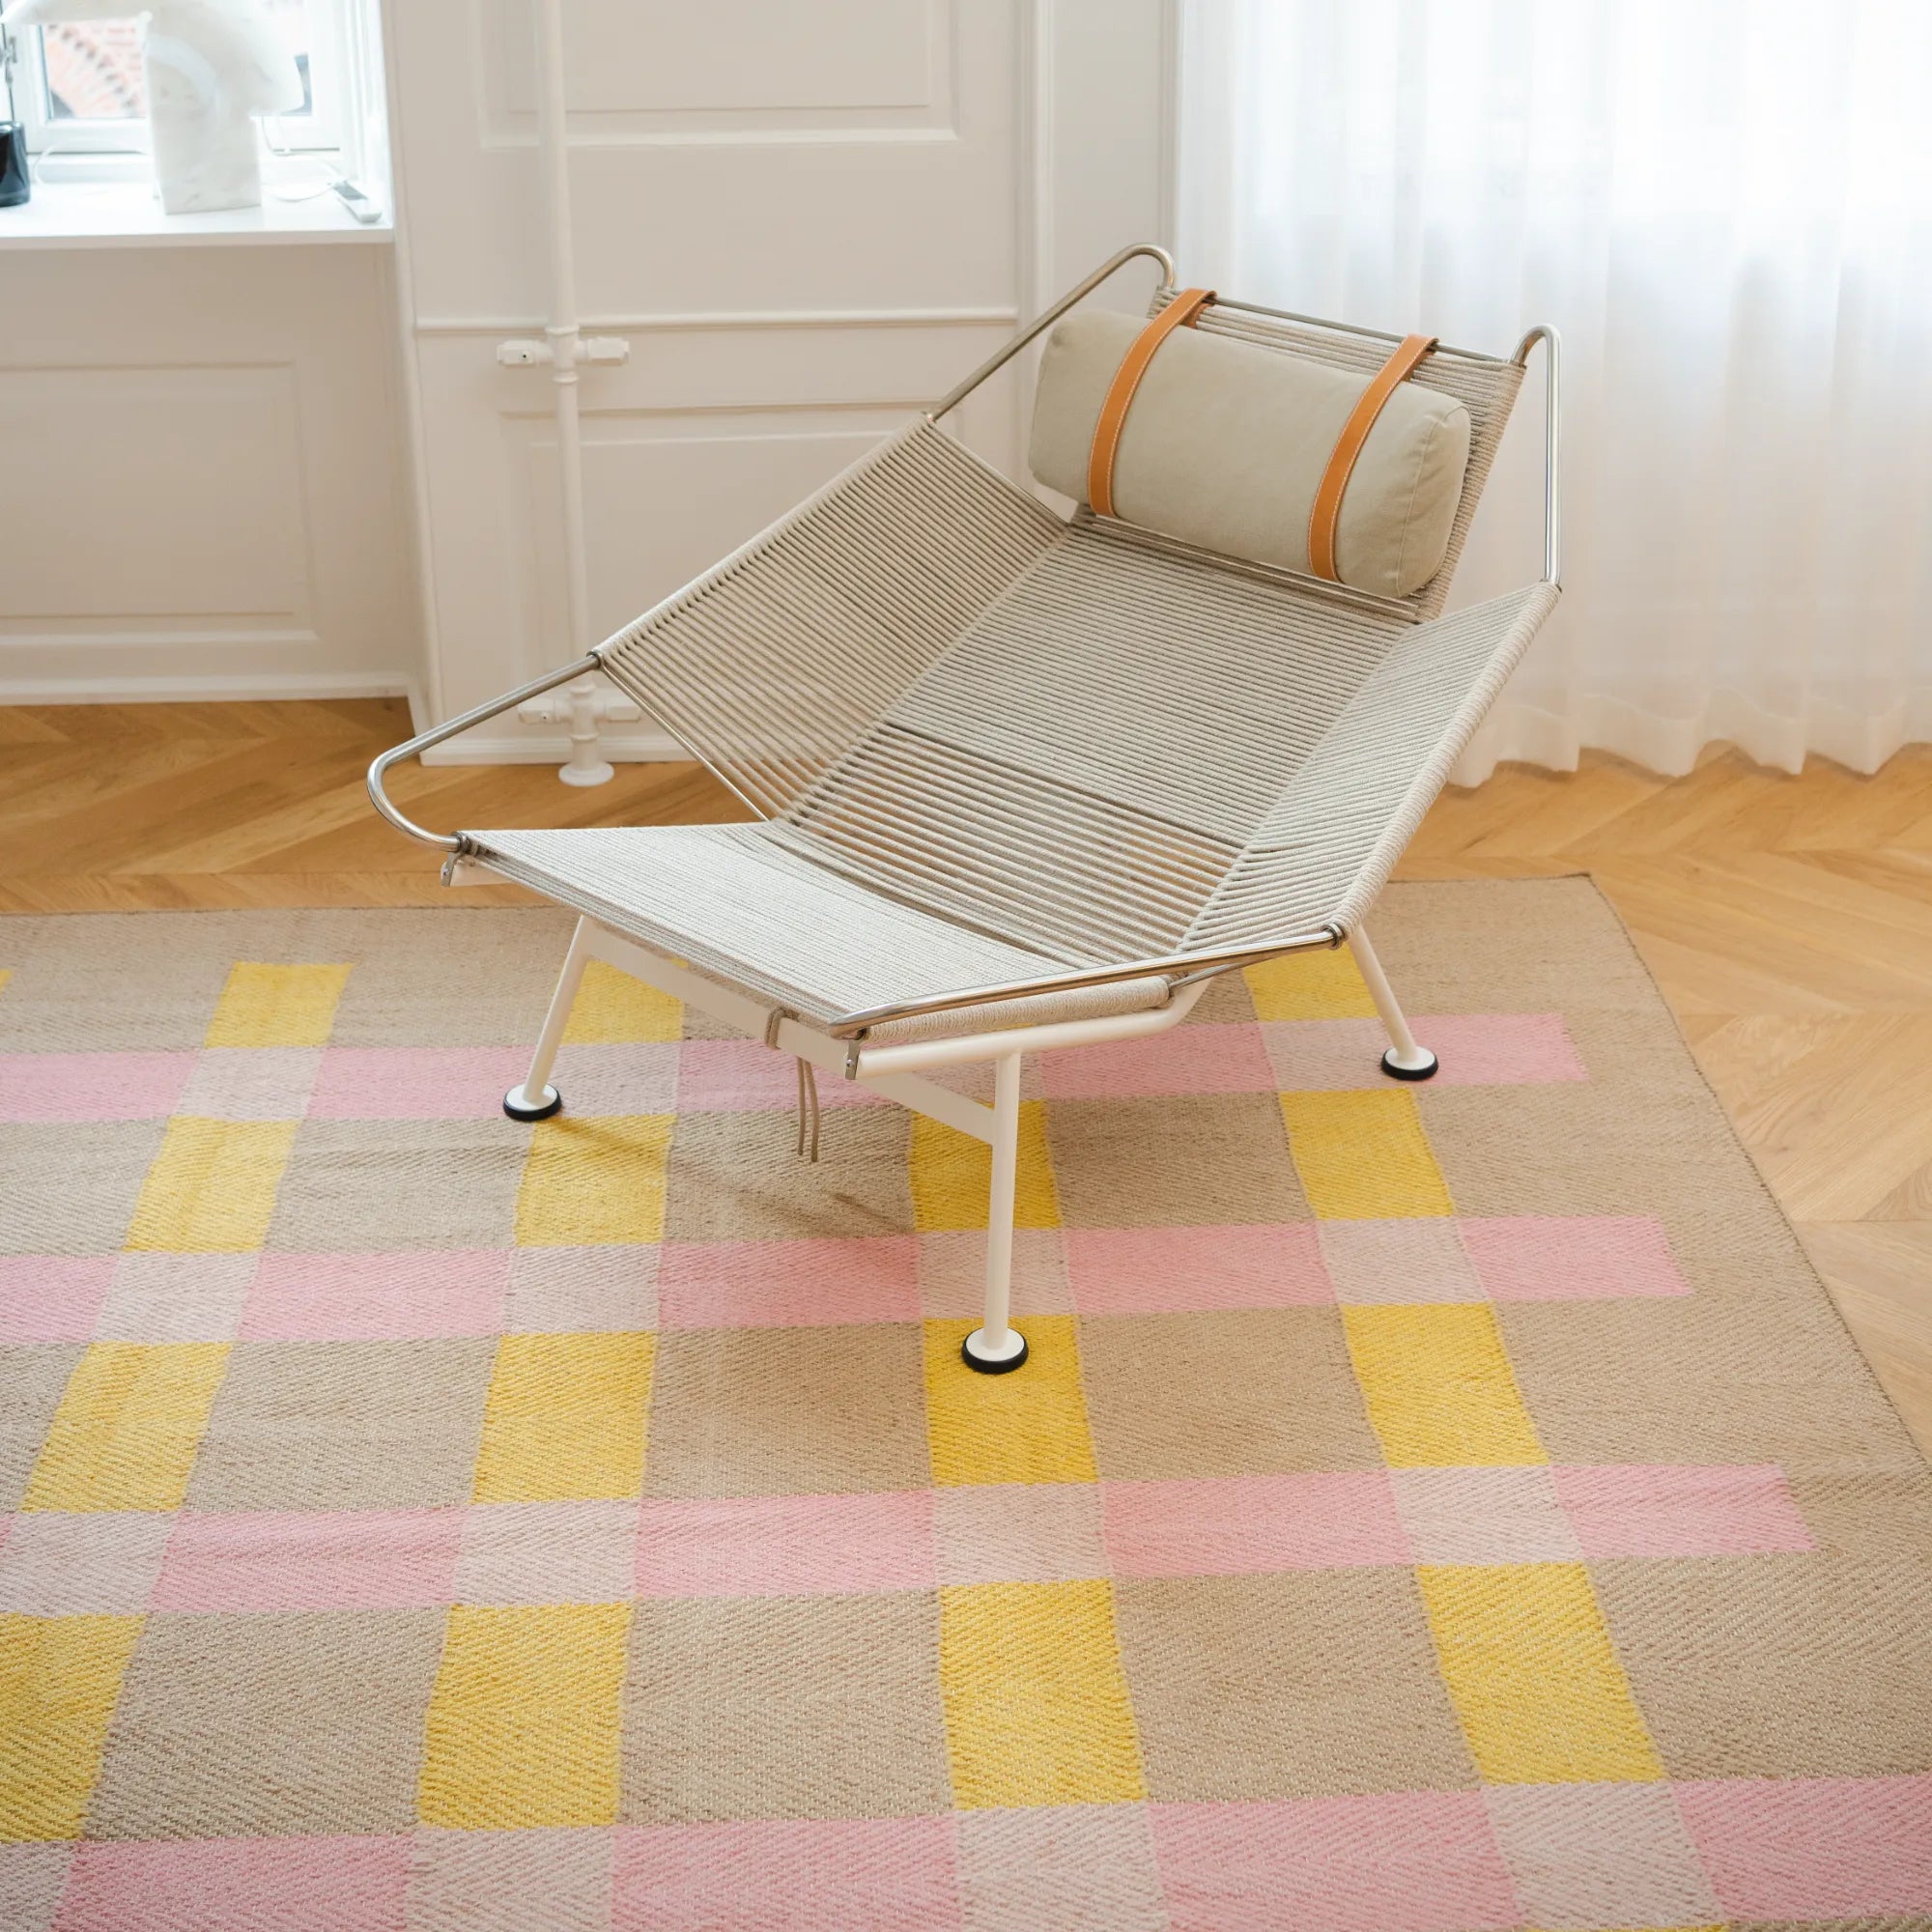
{"x":1725,"y":206}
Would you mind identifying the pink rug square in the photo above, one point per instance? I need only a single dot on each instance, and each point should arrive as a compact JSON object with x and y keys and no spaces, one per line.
{"x":91,"y":1086}
{"x":1501,"y":1049}
{"x":1549,"y":1257}
{"x":1639,"y":1510}
{"x":746,"y":1076}
{"x":813,"y":1284}
{"x":1151,"y":1270}
{"x":1472,"y":1049}
{"x":52,"y":1298}
{"x":1189,"y":1060}
{"x":1814,"y":1848}
{"x":1070,"y":1868}
{"x":1214,"y":1526}
{"x":1403,"y":1861}
{"x":268,"y":1885}
{"x":582,"y":1291}
{"x":414,"y":1082}
{"x":786,"y":1545}
{"x":832,"y":1875}
{"x":310,"y":1561}
{"x":402,"y":1297}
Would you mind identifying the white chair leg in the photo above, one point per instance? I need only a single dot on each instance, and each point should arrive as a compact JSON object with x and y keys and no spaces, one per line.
{"x":536,"y":1099}
{"x":996,"y":1346}
{"x":1403,"y":1060}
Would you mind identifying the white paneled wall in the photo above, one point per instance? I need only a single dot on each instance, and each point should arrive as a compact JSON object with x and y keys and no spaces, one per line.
{"x":806,"y":222}
{"x":202,"y":491}
{"x":282,"y":467}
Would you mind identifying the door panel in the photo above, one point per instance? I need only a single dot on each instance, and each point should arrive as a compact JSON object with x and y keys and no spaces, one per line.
{"x":805,"y":223}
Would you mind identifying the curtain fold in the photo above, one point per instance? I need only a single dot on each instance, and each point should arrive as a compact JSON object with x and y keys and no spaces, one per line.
{"x":1725,"y":206}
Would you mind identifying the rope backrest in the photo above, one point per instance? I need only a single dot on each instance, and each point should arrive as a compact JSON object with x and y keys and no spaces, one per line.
{"x":1072,"y":737}
{"x":1083,"y":764}
{"x":772,"y":666}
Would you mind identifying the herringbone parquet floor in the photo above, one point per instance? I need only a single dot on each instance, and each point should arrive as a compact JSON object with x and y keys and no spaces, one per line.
{"x":1789,"y":921}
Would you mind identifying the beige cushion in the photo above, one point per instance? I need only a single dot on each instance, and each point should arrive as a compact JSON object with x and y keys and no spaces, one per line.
{"x":1226,"y":443}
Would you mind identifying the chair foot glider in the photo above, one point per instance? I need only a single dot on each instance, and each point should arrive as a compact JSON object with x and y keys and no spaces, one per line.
{"x":1024,"y":781}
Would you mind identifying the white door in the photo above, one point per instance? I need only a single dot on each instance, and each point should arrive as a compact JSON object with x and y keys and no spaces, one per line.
{"x":806,"y":222}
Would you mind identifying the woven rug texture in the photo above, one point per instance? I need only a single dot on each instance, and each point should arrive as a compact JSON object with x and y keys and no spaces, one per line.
{"x":1427,"y":1508}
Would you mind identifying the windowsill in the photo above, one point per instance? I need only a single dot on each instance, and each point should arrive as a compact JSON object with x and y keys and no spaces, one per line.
{"x":128,"y":215}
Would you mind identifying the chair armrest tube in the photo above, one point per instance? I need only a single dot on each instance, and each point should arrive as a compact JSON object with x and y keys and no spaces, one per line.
{"x":496,"y":707}
{"x":1185,"y":965}
{"x":1048,"y":317}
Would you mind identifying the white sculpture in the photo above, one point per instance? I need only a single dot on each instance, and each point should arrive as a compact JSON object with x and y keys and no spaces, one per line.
{"x":211,"y":67}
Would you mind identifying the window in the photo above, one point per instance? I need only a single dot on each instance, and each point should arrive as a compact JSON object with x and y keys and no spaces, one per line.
{"x":80,"y":95}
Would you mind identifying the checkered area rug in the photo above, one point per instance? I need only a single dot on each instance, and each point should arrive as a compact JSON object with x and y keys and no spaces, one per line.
{"x":1425,"y":1508}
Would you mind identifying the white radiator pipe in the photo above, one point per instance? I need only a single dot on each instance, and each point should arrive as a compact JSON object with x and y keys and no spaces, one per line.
{"x":586,"y":764}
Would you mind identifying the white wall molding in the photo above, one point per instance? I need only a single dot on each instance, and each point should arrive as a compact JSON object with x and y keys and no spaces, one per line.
{"x":727,"y":321}
{"x":207,"y":688}
{"x":889,"y":135}
{"x":749,"y":72}
{"x":619,"y":743}
{"x":426,"y":701}
{"x":205,"y":635}
{"x":204,"y":494}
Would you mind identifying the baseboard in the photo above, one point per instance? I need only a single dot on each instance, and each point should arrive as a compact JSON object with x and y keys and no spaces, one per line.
{"x":624,"y":747}
{"x":623,"y":744}
{"x":213,"y":688}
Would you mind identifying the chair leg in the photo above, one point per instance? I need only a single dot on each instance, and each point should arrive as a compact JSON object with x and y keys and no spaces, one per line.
{"x":996,"y":1346}
{"x":536,"y":1099}
{"x":1403,"y":1060}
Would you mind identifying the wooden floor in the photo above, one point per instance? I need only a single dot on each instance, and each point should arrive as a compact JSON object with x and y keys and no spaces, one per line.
{"x":1789,"y":921}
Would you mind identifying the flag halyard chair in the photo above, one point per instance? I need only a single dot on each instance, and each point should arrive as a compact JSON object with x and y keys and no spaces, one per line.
{"x":1024,"y":782}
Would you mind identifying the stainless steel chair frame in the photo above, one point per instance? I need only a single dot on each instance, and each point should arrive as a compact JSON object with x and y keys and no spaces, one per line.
{"x":848,"y":1043}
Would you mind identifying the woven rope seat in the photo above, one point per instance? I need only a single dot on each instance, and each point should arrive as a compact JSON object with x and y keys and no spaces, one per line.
{"x":1022,"y":780}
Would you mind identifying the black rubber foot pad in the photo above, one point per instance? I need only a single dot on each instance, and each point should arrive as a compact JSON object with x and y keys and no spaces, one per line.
{"x":517,"y":1111}
{"x":1005,"y":1368}
{"x":1395,"y":1072}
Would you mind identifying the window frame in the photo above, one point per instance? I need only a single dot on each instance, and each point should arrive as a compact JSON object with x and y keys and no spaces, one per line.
{"x":46,"y":134}
{"x":99,"y":149}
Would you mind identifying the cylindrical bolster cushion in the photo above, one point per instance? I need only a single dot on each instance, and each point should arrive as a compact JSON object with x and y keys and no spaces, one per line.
{"x":1226,"y":443}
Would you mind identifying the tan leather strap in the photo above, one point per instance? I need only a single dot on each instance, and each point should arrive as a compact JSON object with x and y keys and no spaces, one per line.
{"x":1327,"y":516}
{"x":1181,"y":312}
